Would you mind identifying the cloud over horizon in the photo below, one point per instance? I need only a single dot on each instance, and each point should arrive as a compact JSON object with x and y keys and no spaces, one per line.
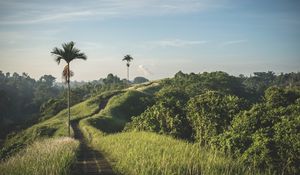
{"x":144,"y":70}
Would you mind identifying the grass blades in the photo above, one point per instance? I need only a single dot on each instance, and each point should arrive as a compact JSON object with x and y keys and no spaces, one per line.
{"x":49,"y":156}
{"x":144,"y":153}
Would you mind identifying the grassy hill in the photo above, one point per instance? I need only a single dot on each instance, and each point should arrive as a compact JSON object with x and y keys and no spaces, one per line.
{"x":144,"y":152}
{"x":55,"y":126}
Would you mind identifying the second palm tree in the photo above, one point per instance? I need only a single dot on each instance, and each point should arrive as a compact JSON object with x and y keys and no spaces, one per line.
{"x":128,"y":59}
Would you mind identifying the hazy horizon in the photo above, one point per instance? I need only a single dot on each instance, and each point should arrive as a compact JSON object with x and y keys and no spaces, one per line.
{"x":163,"y":37}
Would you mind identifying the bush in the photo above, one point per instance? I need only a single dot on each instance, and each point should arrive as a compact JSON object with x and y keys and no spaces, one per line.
{"x":167,"y":116}
{"x":210,"y":114}
{"x":266,"y":137}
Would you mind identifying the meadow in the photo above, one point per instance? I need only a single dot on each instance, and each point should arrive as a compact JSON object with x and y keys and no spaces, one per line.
{"x":49,"y":156}
{"x":149,"y":153}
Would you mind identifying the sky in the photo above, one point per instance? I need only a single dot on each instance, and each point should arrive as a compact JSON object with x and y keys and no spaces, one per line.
{"x":163,"y":36}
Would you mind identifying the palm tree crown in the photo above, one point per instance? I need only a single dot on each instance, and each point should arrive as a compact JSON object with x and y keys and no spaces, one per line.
{"x":67,"y":53}
{"x":127,"y":58}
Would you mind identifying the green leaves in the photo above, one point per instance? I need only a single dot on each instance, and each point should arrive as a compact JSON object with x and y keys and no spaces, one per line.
{"x":127,"y":58}
{"x":267,"y":136}
{"x":67,"y":53}
{"x":211,"y":113}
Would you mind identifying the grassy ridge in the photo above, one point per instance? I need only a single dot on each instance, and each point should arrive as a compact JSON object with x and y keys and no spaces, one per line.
{"x":50,"y":156}
{"x":126,"y":105}
{"x":148,"y":87}
{"x":150,"y":153}
{"x":119,"y":110}
{"x":52,"y":127}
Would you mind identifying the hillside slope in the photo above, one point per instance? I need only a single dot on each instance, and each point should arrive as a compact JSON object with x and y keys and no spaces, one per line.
{"x":55,"y":126}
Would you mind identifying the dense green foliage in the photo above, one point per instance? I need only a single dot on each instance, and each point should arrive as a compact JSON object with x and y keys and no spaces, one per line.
{"x":262,"y":80}
{"x":167,"y":116}
{"x":258,"y":125}
{"x":211,"y":113}
{"x":21,"y":97}
{"x":267,"y":135}
{"x":50,"y":156}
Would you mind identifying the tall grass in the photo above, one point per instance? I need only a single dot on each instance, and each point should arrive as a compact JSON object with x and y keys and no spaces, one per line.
{"x":50,"y":156}
{"x":144,"y":153}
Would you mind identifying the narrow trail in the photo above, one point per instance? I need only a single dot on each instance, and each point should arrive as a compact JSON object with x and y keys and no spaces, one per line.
{"x":89,"y":161}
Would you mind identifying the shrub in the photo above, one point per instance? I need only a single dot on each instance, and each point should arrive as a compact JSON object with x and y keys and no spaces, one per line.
{"x":210,"y":114}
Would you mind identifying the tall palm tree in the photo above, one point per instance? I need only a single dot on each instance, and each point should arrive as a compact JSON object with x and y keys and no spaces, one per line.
{"x":68,"y":53}
{"x":128,"y":59}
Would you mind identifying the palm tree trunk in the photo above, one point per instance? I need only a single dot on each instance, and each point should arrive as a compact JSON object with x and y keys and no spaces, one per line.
{"x":127,"y":74}
{"x":69,"y":94}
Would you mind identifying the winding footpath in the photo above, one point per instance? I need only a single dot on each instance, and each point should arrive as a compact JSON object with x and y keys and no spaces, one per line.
{"x":89,"y":160}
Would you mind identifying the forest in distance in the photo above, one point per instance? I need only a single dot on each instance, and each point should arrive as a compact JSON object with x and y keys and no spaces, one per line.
{"x":254,"y":120}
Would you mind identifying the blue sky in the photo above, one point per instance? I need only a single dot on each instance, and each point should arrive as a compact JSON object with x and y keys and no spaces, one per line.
{"x":163,"y":36}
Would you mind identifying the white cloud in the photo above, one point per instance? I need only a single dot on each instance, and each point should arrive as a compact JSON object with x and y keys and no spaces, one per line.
{"x":144,"y":70}
{"x":14,"y":12}
{"x":177,"y":43}
{"x":233,"y":42}
{"x":49,"y":17}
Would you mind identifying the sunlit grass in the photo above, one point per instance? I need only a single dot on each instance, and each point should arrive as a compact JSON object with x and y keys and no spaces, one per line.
{"x":50,"y":156}
{"x":146,"y":153}
{"x":148,"y":87}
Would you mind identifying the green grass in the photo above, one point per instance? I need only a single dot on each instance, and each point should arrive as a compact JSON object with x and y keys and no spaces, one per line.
{"x":55,"y":126}
{"x":148,"y":87}
{"x":119,"y":110}
{"x":125,"y":105}
{"x":49,"y":156}
{"x":150,"y":153}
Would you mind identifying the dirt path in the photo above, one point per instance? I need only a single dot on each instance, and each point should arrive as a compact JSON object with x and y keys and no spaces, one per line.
{"x":89,"y":161}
